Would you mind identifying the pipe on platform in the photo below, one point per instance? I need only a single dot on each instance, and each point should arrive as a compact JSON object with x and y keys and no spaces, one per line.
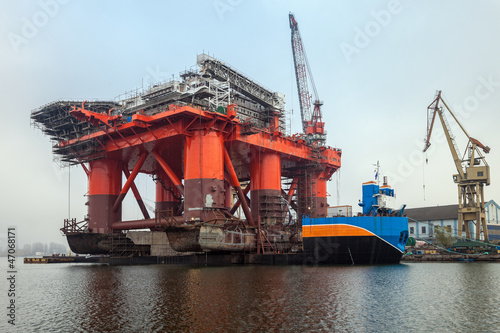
{"x":137,"y":224}
{"x":137,"y":196}
{"x":170,"y":173}
{"x":236,"y":185}
{"x":130,"y":181}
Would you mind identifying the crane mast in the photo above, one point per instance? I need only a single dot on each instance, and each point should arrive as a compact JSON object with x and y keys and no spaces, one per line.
{"x":473,"y":171}
{"x":312,"y":123}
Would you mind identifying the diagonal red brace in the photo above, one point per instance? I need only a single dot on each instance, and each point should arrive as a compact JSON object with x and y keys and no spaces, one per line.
{"x":85,"y":169}
{"x":237,"y":204}
{"x":170,"y":173}
{"x":130,"y":181}
{"x":236,"y":185}
{"x":293,"y":186}
{"x":137,"y":195}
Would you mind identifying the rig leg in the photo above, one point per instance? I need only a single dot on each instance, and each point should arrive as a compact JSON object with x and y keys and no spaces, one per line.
{"x":203,"y":176}
{"x":265,"y":178}
{"x":105,"y":180}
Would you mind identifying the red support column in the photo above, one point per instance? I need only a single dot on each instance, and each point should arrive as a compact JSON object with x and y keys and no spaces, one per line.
{"x":105,"y":180}
{"x":203,"y":176}
{"x":312,"y":194}
{"x":321,"y":201}
{"x":265,"y":179}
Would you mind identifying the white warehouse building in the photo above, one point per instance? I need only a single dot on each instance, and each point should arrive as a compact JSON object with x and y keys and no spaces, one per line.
{"x":423,"y":220}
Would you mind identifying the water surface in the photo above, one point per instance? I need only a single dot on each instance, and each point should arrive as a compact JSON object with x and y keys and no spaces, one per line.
{"x":414,"y":297}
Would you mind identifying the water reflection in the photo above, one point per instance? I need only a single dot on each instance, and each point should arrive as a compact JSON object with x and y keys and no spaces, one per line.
{"x":410,"y":297}
{"x":102,"y":297}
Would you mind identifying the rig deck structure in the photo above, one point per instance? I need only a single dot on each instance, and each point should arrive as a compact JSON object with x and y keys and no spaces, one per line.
{"x":212,"y":135}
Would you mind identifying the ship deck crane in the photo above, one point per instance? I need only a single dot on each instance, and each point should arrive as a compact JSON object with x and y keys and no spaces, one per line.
{"x":312,"y":123}
{"x":473,"y":171}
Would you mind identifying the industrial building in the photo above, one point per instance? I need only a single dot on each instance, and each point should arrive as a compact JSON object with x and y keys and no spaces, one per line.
{"x":423,"y":220}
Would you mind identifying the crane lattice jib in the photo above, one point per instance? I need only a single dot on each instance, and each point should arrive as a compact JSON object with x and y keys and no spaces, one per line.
{"x":472,"y":174}
{"x":432,"y":110}
{"x":300,"y":63}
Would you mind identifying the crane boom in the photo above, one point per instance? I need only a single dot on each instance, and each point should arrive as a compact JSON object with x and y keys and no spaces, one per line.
{"x":311,"y":120}
{"x":471,"y":177}
{"x":472,"y":145}
{"x":432,"y":110}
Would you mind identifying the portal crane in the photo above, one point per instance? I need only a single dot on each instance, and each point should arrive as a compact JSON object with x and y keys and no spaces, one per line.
{"x":473,"y":171}
{"x":312,"y":123}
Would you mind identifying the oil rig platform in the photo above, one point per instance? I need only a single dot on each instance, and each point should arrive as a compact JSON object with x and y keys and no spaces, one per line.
{"x":212,"y":141}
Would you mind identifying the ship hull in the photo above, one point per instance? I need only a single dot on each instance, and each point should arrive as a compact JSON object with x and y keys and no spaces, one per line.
{"x":355,"y":240}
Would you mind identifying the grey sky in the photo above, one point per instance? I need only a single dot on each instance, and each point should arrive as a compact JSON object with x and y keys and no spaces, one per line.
{"x":377,"y":65}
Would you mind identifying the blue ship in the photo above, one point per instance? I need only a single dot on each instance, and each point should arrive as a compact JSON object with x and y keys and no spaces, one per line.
{"x":377,"y":236}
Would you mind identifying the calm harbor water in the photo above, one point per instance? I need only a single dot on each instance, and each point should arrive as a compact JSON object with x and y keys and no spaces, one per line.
{"x":416,"y":297}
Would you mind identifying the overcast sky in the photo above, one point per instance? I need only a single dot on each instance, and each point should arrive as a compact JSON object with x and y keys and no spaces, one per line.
{"x":376,"y":64}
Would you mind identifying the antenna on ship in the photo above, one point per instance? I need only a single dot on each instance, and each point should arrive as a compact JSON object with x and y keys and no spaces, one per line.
{"x":377,"y":172}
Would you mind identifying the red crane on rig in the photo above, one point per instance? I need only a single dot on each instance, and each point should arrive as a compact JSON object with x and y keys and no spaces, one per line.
{"x":312,"y":123}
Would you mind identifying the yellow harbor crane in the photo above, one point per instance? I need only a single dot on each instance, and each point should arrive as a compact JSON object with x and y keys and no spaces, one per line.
{"x":473,"y":171}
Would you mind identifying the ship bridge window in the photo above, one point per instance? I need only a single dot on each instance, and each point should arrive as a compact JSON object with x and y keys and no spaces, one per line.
{"x":412,"y":230}
{"x":424,"y":229}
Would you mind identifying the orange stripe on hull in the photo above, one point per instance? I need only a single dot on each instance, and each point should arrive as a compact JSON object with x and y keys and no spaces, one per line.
{"x":333,"y":230}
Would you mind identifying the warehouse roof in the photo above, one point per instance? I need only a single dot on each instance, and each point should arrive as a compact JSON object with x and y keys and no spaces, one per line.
{"x":447,"y":212}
